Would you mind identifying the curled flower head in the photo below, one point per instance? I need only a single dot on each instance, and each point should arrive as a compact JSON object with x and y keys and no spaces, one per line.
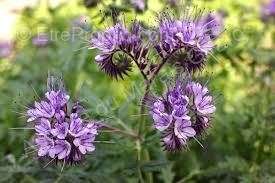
{"x":183,"y":113}
{"x":118,"y":47}
{"x":185,"y":42}
{"x":61,"y":134}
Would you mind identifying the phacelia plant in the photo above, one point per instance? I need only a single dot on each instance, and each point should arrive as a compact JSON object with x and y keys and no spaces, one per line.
{"x":61,"y":134}
{"x":185,"y":111}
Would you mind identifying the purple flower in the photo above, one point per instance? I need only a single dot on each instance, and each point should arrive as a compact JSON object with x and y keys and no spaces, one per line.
{"x":268,"y":11}
{"x":61,"y":133}
{"x":58,"y":99}
{"x":162,"y":120}
{"x":203,"y":101}
{"x":50,"y":107}
{"x":60,"y":130}
{"x":176,"y":98}
{"x":43,"y":127}
{"x":84,"y":143}
{"x":5,"y":49}
{"x":44,"y":144}
{"x":180,"y":112}
{"x":64,"y":141}
{"x":186,"y":42}
{"x":41,"y":40}
{"x":214,"y":23}
{"x":67,"y":142}
{"x":183,"y":113}
{"x":118,"y":39}
{"x":61,"y":149}
{"x":183,"y":129}
{"x":171,"y":142}
{"x":76,"y":127}
{"x":41,"y":110}
{"x":139,"y":5}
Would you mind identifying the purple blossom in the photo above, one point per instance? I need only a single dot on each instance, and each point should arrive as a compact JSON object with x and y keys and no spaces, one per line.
{"x":186,"y":42}
{"x":214,"y":23}
{"x":139,"y":5}
{"x":61,"y":134}
{"x":52,"y":105}
{"x":61,"y":149}
{"x":43,"y":127}
{"x":5,"y":49}
{"x":183,"y":129}
{"x":57,"y":99}
{"x":77,"y":127}
{"x":176,"y":98}
{"x":268,"y":11}
{"x":60,"y":130}
{"x":162,"y":120}
{"x":84,"y":143}
{"x":171,"y":142}
{"x":41,"y":110}
{"x":44,"y":144}
{"x":68,"y":142}
{"x":183,"y":113}
{"x":118,"y":39}
{"x":203,"y":102}
{"x":41,"y":40}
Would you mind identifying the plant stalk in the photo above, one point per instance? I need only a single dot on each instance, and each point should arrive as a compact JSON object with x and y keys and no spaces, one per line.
{"x":143,"y":154}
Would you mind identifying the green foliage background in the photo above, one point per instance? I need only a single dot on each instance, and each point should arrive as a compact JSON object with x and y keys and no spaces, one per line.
{"x":240,"y":144}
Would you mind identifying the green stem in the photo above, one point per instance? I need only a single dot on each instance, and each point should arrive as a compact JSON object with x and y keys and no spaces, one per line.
{"x":143,"y":154}
{"x":122,"y":132}
{"x":139,"y":159}
{"x":142,"y":108}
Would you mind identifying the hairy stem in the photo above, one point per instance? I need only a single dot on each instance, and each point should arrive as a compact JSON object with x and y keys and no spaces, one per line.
{"x":142,"y":108}
{"x":117,"y":130}
{"x":141,"y":131}
{"x":155,"y":73}
{"x":143,"y":154}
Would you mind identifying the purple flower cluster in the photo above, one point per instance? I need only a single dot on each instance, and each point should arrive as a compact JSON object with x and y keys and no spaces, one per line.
{"x":186,"y":42}
{"x":139,"y":5}
{"x":61,"y":135}
{"x":268,"y":11}
{"x":118,"y":39}
{"x":183,"y":113}
{"x":6,"y":48}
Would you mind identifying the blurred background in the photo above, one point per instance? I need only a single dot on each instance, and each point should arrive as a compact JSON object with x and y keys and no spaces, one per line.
{"x":41,"y":36}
